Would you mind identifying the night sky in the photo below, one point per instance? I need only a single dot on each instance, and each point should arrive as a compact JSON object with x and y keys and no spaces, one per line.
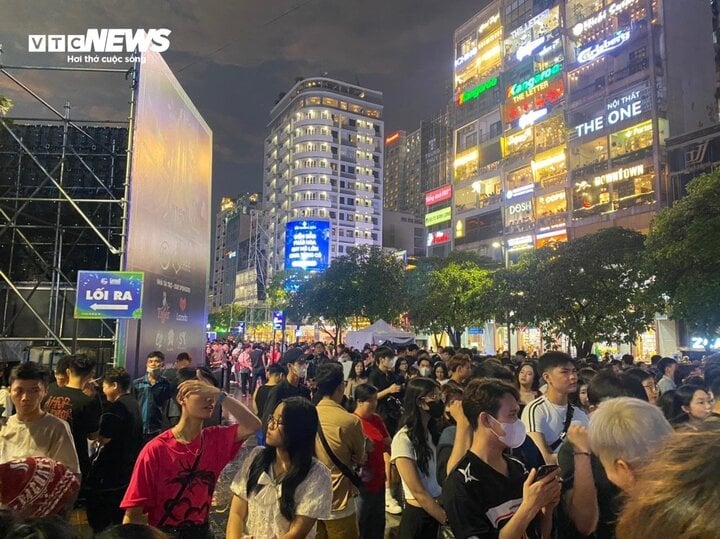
{"x":234,"y":57}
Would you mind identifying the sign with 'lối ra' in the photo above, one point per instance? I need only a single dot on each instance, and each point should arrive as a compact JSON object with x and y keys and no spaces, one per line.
{"x":109,"y":294}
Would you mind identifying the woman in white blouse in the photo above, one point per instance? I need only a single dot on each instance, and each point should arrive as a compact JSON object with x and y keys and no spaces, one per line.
{"x":281,"y":490}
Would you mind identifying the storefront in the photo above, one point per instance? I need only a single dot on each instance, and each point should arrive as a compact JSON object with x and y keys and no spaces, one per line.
{"x":478,"y":55}
{"x":483,"y":227}
{"x":531,"y":37}
{"x":551,"y":204}
{"x":550,"y":168}
{"x":553,"y":235}
{"x":478,"y":195}
{"x":531,"y":99}
{"x":613,"y":190}
{"x":519,"y":216}
{"x":466,"y":164}
{"x":518,"y":182}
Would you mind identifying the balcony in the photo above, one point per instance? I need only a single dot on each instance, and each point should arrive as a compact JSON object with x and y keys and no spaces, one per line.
{"x":526,"y":225}
{"x":306,"y":122}
{"x":601,"y":85}
{"x":552,"y":220}
{"x":313,"y":138}
{"x":483,"y":201}
{"x":318,"y":154}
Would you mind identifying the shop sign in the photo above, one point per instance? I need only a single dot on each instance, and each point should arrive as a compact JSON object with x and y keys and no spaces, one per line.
{"x":523,"y":242}
{"x":621,"y":109}
{"x":518,"y":191}
{"x":613,"y":9}
{"x":438,"y":238}
{"x":488,"y":24}
{"x":538,"y":78}
{"x":520,"y":208}
{"x":529,"y":118}
{"x":528,"y":48}
{"x":467,"y":158}
{"x":519,"y":138}
{"x":619,"y":175}
{"x":590,"y":53}
{"x":438,"y":195}
{"x":551,"y":234}
{"x":392,"y":138}
{"x":437,"y":217}
{"x":555,"y":197}
{"x":465,"y":57}
{"x":476,"y":92}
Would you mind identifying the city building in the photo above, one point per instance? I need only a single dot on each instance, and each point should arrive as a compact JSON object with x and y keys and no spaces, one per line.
{"x":404,"y":231}
{"x":435,"y":152}
{"x":561,"y":115}
{"x":402,"y":182}
{"x":323,"y":170}
{"x":232,"y":251}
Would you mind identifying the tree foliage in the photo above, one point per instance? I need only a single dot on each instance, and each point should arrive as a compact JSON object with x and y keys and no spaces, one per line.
{"x":5,"y":105}
{"x":593,"y":288}
{"x":444,"y":294}
{"x":379,"y":278}
{"x":683,"y":252}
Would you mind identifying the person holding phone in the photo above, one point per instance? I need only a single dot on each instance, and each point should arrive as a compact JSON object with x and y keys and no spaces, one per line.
{"x":489,"y":494}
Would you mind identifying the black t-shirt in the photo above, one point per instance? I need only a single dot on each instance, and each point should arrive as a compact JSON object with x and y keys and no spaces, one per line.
{"x":112,"y":467}
{"x":281,"y":391}
{"x":256,"y":359}
{"x":479,"y":500}
{"x":82,"y":414}
{"x":609,"y":496}
{"x":261,"y":398}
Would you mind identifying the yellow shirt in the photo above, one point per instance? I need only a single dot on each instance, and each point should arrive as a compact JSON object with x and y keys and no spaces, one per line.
{"x":343,"y":432}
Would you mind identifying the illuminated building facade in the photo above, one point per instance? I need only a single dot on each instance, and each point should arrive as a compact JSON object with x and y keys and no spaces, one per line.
{"x":232,"y":227}
{"x":401,"y":181}
{"x":561,"y":114}
{"x":324,"y":162}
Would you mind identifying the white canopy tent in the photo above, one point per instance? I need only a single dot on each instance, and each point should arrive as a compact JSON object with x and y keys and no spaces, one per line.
{"x":378,"y":333}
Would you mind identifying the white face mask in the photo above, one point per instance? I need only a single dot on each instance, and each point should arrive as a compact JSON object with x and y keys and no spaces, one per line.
{"x":515,"y":433}
{"x":301,"y":371}
{"x":424,"y":371}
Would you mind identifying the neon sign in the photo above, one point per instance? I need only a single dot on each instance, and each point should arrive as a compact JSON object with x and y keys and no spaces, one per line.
{"x":525,"y":189}
{"x":602,"y":16}
{"x":392,"y":138}
{"x":467,"y":158}
{"x":523,"y":242}
{"x":529,"y":118}
{"x":476,"y":92}
{"x":437,"y":217}
{"x":438,"y":238}
{"x":619,"y":175}
{"x":538,"y":78}
{"x":628,"y":106}
{"x":527,"y":49}
{"x":438,"y":195}
{"x":488,"y":23}
{"x":588,"y":54}
{"x":532,"y":22}
{"x":465,"y":57}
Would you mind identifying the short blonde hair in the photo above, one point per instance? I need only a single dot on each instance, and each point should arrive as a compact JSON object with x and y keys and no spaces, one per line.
{"x":677,"y":493}
{"x":627,"y":428}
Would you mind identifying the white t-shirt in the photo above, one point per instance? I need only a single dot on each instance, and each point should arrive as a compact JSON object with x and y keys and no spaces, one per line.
{"x":313,"y":498}
{"x":402,"y":447}
{"x":45,"y":437}
{"x":548,"y":419}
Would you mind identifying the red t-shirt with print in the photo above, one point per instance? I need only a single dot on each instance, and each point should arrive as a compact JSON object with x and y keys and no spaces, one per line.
{"x":165,"y":484}
{"x":374,"y":470}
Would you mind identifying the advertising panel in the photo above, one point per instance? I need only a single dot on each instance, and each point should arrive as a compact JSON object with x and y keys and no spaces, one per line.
{"x":109,"y":294}
{"x":533,"y":99}
{"x":168,"y":234}
{"x":307,"y":245}
{"x":525,"y":40}
{"x":617,"y":111}
{"x":438,"y":238}
{"x":437,"y":217}
{"x":438,"y":195}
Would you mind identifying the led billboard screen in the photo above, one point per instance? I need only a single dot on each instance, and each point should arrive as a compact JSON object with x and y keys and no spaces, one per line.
{"x":169,"y":218}
{"x":307,"y":245}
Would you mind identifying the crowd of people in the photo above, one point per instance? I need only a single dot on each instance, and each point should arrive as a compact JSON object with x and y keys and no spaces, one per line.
{"x":325,"y":442}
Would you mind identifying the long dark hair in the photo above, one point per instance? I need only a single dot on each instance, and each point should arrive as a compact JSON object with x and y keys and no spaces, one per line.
{"x":300,"y":425}
{"x":352,"y":375}
{"x":412,"y":419}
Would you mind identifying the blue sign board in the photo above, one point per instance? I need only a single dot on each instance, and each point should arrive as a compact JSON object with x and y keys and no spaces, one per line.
{"x":475,"y":331}
{"x":109,"y":294}
{"x":241,"y":327}
{"x":278,"y":320}
{"x":307,"y":245}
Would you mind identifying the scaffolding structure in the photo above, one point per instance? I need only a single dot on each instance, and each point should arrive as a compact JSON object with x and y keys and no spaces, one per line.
{"x":64,"y":186}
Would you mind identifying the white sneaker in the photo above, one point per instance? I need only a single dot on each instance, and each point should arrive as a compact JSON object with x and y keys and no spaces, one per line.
{"x":392,"y":506}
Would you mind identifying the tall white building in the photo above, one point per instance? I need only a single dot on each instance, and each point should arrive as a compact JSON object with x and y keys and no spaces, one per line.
{"x":324,"y":162}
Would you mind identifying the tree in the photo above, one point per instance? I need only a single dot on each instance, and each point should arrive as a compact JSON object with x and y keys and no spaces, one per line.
{"x":378,"y":277}
{"x":226,"y":317}
{"x":330,"y":296}
{"x":683,"y":253}
{"x":593,"y":288}
{"x":5,"y":105}
{"x":451,"y":291}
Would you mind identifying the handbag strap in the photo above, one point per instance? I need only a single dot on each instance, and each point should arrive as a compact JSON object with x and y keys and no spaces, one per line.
{"x":347,"y":472}
{"x":566,"y":426}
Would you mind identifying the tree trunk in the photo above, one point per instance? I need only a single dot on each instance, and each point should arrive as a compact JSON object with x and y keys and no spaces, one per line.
{"x":455,"y":336}
{"x":583,"y":349}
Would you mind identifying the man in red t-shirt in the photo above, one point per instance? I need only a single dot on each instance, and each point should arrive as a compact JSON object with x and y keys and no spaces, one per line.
{"x":174,"y":477}
{"x":371,"y":505}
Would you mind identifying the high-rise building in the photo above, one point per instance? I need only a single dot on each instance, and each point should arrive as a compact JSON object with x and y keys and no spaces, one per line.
{"x":323,"y":170}
{"x":232,"y":233}
{"x":561,"y":114}
{"x":435,"y":152}
{"x":402,"y":178}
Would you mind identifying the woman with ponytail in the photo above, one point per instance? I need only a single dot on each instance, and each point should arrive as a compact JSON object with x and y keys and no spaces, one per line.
{"x":281,"y":490}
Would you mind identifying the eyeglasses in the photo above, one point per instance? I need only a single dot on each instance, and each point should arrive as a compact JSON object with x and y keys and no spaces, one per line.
{"x":433,"y":398}
{"x":274,"y":422}
{"x":651,"y":387}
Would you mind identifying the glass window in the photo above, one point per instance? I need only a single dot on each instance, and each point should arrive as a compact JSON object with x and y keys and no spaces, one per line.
{"x":467,"y":137}
{"x":466,"y":164}
{"x":518,"y":178}
{"x":551,"y":204}
{"x":615,"y":189}
{"x":550,"y":133}
{"x":594,"y":152}
{"x":632,"y":140}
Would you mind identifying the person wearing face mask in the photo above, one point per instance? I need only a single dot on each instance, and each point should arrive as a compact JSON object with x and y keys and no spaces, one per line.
{"x":296,"y":364}
{"x":425,"y":367}
{"x":489,"y":494}
{"x":413,"y":453}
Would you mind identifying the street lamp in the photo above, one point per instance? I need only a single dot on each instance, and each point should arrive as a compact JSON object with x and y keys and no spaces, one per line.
{"x":506,"y":265}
